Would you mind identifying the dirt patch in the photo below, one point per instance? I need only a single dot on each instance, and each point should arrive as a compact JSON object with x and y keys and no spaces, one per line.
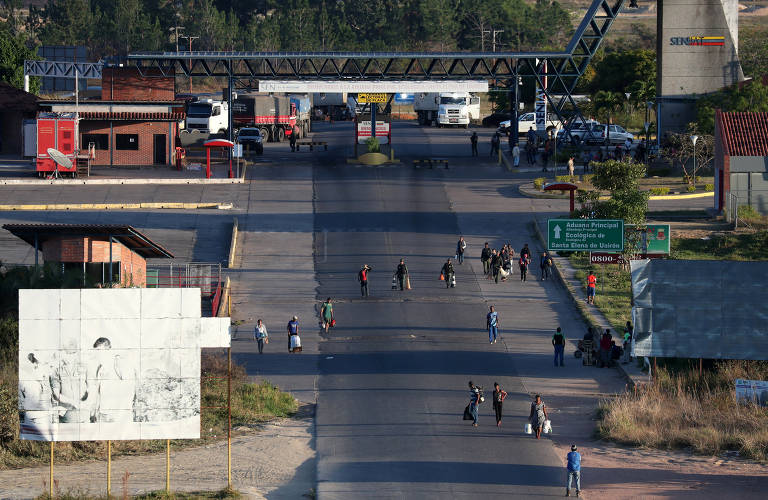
{"x":276,"y":461}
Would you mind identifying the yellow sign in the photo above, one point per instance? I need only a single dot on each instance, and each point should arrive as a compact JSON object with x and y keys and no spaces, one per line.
{"x":371,"y":98}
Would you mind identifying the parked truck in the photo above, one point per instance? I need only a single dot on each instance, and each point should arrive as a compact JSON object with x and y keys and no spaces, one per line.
{"x":332,"y":104}
{"x":208,"y":116}
{"x":303,"y":113}
{"x":446,"y":108}
{"x":274,"y":115}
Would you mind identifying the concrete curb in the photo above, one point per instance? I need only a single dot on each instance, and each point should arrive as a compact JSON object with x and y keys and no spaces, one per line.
{"x":116,"y":206}
{"x":682,"y":196}
{"x":233,"y":245}
{"x":587,"y":315}
{"x":97,"y":182}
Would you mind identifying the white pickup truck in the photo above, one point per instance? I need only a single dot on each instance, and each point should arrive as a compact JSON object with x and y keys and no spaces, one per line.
{"x":528,"y":120}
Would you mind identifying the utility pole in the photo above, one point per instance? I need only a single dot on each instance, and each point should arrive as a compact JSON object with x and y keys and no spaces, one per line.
{"x":482,"y":38}
{"x":190,"y":38}
{"x":175,"y":30}
{"x":494,"y":38}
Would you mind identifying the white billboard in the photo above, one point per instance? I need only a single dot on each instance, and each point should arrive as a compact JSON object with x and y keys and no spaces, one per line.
{"x":98,"y":364}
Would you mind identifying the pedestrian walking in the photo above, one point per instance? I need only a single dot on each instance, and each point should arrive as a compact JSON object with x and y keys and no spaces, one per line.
{"x":627,"y":354}
{"x":585,"y":160}
{"x":485,"y":258}
{"x":495,"y":142}
{"x":292,"y":138}
{"x":526,"y":252}
{"x":574,"y":471}
{"x":402,"y":274}
{"x":606,"y":345}
{"x":261,"y":335}
{"x":523,"y":263}
{"x":497,"y":261}
{"x":516,"y":156}
{"x":449,"y":274}
{"x":492,"y":322}
{"x":548,"y":264}
{"x":362,"y":277}
{"x":591,"y":287}
{"x":473,"y":141}
{"x":474,"y":402}
{"x":558,"y":341}
{"x":461,"y":246}
{"x":293,"y":331}
{"x":498,"y":400}
{"x":538,"y":415}
{"x":570,"y":166}
{"x":326,"y":311}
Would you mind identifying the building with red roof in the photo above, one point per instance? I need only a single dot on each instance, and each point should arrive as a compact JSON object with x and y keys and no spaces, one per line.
{"x":741,"y":160}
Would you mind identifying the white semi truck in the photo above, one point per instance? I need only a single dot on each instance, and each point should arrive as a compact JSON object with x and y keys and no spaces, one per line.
{"x":446,"y":108}
{"x":208,"y":116}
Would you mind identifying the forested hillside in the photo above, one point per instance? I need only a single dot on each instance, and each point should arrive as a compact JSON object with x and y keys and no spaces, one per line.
{"x":116,"y":27}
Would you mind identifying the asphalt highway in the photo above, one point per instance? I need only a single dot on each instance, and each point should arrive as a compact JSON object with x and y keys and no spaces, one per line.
{"x":393,"y":374}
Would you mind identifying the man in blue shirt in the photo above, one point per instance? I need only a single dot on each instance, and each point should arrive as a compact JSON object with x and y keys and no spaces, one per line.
{"x":493,"y":325}
{"x":574,"y":471}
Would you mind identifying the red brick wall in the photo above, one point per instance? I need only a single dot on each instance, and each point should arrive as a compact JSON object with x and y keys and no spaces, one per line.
{"x":146,"y":132}
{"x":126,"y":84}
{"x":133,"y":267}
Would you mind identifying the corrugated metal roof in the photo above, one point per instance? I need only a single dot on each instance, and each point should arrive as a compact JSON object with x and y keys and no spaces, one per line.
{"x":131,"y":116}
{"x":127,"y":235}
{"x":743,"y":133}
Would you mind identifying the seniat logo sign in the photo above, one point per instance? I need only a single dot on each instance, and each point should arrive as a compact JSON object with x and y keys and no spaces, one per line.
{"x":698,"y":40}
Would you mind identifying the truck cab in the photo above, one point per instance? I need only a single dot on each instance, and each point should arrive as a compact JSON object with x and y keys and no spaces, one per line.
{"x":447,"y":108}
{"x":207,"y":116}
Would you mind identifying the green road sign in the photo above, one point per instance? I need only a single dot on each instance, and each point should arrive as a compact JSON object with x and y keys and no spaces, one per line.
{"x":585,"y":235}
{"x":657,"y":238}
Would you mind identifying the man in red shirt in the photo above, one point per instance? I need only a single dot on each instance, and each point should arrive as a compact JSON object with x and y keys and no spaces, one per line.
{"x":591,"y":284}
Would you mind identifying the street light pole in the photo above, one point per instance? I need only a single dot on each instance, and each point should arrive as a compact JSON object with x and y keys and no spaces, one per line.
{"x":190,"y":38}
{"x":175,"y":30}
{"x":694,"y":138}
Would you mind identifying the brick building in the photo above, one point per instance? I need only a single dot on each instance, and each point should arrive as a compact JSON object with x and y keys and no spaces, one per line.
{"x":87,"y":247}
{"x":136,"y":123}
{"x":741,"y":161}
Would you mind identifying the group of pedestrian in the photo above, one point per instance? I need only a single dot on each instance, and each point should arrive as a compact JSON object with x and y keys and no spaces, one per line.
{"x":476,"y":398}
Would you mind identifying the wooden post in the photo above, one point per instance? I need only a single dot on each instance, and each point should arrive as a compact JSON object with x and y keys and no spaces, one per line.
{"x":168,"y":466}
{"x":50,"y":475}
{"x":701,"y":366}
{"x":229,"y":418}
{"x":109,"y":468}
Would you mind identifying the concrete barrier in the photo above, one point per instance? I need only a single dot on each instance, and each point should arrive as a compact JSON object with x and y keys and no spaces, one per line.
{"x":233,"y":245}
{"x":114,"y":206}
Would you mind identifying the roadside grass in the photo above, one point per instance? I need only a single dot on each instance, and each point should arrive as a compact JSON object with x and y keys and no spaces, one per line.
{"x":613,"y":288}
{"x":685,"y":410}
{"x":744,"y":246}
{"x":252,"y":404}
{"x":152,"y":495}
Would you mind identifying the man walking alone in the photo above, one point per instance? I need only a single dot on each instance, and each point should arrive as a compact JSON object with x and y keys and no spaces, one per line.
{"x":402,"y":273}
{"x":492,"y":321}
{"x":485,"y":258}
{"x":558,"y":340}
{"x":473,"y":140}
{"x":574,"y":471}
{"x":362,"y":277}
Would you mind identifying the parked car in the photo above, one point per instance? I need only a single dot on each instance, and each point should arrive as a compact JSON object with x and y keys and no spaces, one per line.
{"x":578,"y":131}
{"x":527,"y":120}
{"x":494,"y":119}
{"x":617,"y":135}
{"x":251,"y":139}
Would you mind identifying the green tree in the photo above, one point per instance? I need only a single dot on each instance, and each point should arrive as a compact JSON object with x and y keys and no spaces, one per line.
{"x":627,"y":202}
{"x":65,"y":22}
{"x":753,"y":51}
{"x":751,"y":96}
{"x":680,"y":149}
{"x":439,"y":24}
{"x":13,"y":51}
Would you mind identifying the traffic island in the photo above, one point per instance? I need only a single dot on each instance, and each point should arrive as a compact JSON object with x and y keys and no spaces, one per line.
{"x":373,"y":159}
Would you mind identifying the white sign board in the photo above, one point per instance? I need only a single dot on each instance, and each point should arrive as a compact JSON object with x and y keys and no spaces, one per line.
{"x":364,"y":131}
{"x":752,"y":390}
{"x":373,"y":86}
{"x":124,"y":363}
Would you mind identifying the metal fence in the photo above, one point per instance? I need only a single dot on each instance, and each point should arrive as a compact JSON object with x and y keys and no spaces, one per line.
{"x":206,"y":276}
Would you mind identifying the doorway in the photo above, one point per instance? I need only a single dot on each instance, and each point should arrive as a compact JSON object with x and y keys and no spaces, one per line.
{"x":159,"y":150}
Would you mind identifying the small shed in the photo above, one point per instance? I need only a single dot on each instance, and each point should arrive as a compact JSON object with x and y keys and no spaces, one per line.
{"x":741,"y":161}
{"x":104,"y":253}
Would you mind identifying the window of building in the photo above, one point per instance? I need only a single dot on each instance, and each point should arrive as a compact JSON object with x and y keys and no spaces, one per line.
{"x":127,"y":141}
{"x":100,"y":141}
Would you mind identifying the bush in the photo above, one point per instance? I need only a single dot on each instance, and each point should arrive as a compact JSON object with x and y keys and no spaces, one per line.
{"x":748,"y":212}
{"x":691,"y":189}
{"x":587,"y":177}
{"x":660,"y":191}
{"x":373,"y":145}
{"x":709,"y":187}
{"x":539,"y":182}
{"x":565,"y":178}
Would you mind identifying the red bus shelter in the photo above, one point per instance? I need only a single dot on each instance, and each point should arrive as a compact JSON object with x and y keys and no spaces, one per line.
{"x":216,"y":143}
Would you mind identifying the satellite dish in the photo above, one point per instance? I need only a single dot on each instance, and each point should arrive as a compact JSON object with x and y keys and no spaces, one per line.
{"x":59,"y":158}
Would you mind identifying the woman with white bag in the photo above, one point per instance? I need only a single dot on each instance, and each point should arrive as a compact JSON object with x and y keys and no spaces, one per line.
{"x":538,"y":415}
